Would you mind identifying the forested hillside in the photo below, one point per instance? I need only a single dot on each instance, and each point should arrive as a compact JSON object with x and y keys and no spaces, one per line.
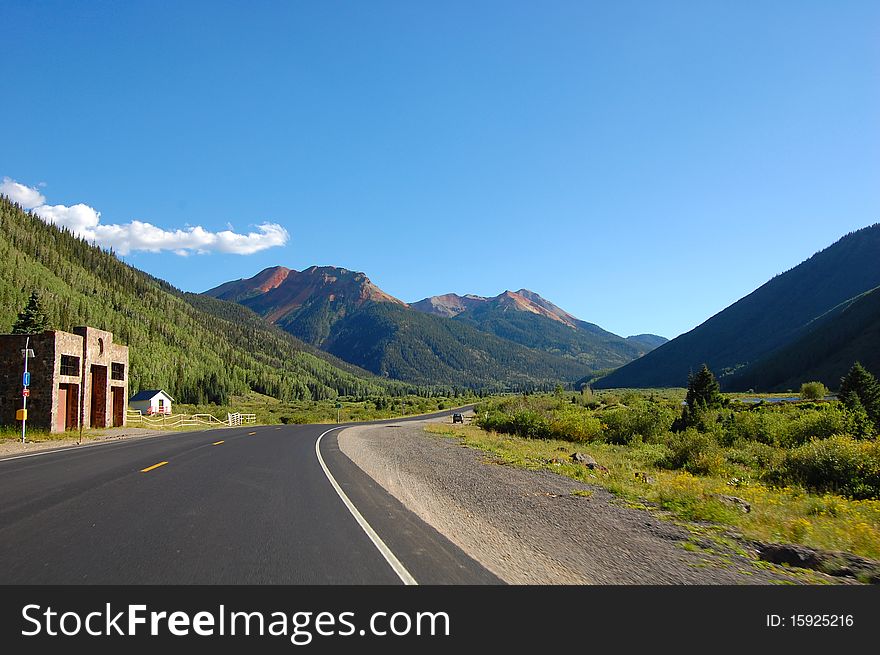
{"x":196,"y":348}
{"x":524,"y":317}
{"x":584,"y":342}
{"x":394,"y":341}
{"x":647,"y":342}
{"x":772,"y":317}
{"x":849,"y":333}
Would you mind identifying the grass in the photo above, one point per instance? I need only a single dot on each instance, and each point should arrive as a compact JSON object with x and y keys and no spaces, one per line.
{"x":13,"y":434}
{"x":778,"y":514}
{"x":271,"y":411}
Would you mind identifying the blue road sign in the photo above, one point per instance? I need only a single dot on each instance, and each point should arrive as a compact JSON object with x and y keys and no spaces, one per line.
{"x":26,"y":379}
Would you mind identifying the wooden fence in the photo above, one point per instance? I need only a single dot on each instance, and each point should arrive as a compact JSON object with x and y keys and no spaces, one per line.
{"x":134,"y":418}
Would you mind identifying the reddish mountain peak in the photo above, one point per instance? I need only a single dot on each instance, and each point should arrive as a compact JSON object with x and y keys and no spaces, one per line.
{"x":560,"y":313}
{"x":448,"y":304}
{"x":270,"y":278}
{"x":528,"y":301}
{"x":276,"y":291}
{"x":296,"y":288}
{"x":452,"y":304}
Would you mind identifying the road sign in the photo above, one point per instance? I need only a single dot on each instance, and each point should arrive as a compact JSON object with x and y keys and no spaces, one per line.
{"x":25,"y":392}
{"x":26,"y":379}
{"x":21,"y":415}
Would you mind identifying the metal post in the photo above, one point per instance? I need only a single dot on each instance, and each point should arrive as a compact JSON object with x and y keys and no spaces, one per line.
{"x":24,"y":398}
{"x":82,"y":386}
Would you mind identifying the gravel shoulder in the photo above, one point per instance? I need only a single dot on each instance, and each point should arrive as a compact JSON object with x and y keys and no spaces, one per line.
{"x":529,"y":527}
{"x":11,"y":448}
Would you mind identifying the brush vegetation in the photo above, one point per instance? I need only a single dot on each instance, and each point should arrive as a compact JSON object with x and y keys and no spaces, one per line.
{"x":809,"y":470}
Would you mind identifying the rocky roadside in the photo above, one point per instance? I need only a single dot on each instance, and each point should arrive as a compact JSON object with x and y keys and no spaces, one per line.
{"x":537,"y":527}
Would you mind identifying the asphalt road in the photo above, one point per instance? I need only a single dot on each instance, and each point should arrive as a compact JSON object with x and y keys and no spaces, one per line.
{"x":250,"y":505}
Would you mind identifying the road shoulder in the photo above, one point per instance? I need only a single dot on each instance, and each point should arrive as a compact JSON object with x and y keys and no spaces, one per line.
{"x":13,"y":448}
{"x":537,"y":527}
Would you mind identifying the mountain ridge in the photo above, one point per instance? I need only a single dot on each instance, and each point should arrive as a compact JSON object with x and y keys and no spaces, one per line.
{"x":773,"y":316}
{"x":848,"y":333}
{"x":516,"y":334}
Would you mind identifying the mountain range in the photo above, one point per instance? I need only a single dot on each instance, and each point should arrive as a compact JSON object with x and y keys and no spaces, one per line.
{"x":328,"y":331}
{"x":526,"y":318}
{"x":515,"y":339}
{"x":809,"y":323}
{"x":195,"y":347}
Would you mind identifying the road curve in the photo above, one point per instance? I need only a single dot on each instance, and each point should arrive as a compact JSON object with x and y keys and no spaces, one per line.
{"x":230,"y":506}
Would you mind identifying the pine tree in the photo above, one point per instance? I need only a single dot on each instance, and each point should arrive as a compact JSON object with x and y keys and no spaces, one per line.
{"x":33,"y":319}
{"x":703,"y":394}
{"x":859,"y":388}
{"x":703,"y":390}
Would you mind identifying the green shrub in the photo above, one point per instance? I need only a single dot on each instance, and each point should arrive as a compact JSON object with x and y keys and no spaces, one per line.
{"x":858,"y":423}
{"x":813,"y":424}
{"x":523,"y":423}
{"x":642,"y":421}
{"x":839,"y":464}
{"x":813,"y":391}
{"x":755,"y":455}
{"x":693,"y":451}
{"x":617,"y":426}
{"x":764,"y":426}
{"x":575,"y":424}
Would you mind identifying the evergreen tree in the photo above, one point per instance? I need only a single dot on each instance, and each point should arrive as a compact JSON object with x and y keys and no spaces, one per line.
{"x":33,"y":319}
{"x":859,"y":388}
{"x":703,"y":394}
{"x":703,"y":390}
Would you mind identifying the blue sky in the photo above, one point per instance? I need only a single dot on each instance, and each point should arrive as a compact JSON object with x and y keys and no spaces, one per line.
{"x":641,"y":164}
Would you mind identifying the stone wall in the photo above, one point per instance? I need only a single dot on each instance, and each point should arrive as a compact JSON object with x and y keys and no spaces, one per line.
{"x":41,"y":367}
{"x":93,"y":348}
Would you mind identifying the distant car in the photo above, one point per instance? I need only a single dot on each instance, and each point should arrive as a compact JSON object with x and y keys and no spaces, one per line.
{"x":457,"y":418}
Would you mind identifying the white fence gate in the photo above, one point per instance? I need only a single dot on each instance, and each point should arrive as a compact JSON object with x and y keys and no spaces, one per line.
{"x":238,"y":419}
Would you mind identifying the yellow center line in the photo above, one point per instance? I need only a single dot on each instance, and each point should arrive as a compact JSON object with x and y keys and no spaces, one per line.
{"x":250,"y":433}
{"x":217,"y":443}
{"x":154,"y":466}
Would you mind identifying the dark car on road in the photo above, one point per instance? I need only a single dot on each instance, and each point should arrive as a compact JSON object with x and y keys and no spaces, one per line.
{"x":457,"y":418}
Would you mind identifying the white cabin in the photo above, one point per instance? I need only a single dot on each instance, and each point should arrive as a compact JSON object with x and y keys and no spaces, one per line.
{"x":151,"y":401}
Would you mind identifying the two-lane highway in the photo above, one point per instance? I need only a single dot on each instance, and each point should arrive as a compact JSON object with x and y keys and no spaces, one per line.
{"x":258,"y":505}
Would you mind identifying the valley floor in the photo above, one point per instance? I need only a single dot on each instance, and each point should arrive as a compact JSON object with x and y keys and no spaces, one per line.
{"x":537,"y":527}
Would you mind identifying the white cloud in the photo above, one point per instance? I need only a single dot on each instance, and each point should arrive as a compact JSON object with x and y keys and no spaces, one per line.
{"x":25,"y":196}
{"x":79,"y":219}
{"x":85,"y":221}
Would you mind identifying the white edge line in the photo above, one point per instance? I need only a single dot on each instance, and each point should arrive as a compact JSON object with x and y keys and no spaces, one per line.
{"x":404,"y":575}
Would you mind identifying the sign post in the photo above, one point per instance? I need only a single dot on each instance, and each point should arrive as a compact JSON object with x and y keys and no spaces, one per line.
{"x":338,"y":406}
{"x":25,"y":383}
